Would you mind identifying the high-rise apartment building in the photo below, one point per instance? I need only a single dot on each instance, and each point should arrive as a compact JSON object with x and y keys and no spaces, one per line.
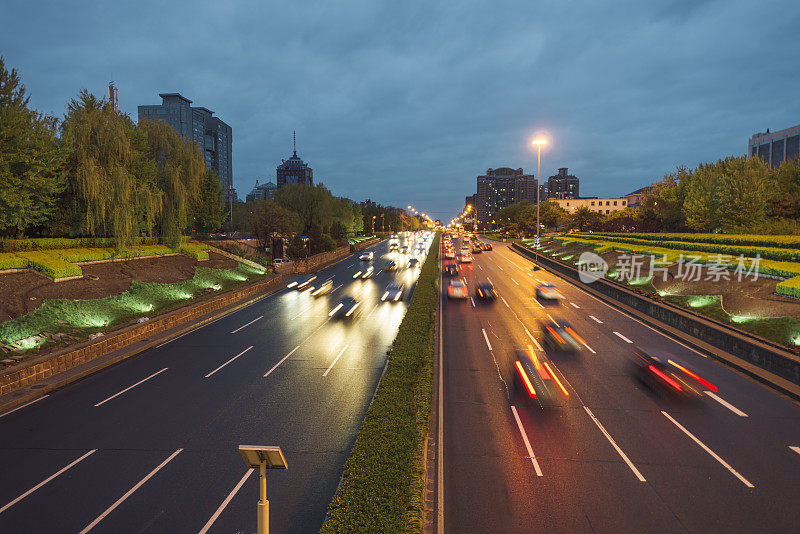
{"x":562,"y":185}
{"x":775,"y":147}
{"x":502,"y":187}
{"x":214,"y":136}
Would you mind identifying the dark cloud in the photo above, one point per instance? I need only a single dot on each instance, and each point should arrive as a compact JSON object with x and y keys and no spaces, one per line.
{"x":409,"y":101}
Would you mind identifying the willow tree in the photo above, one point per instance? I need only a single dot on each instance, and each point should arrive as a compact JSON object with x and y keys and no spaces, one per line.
{"x":98,"y":168}
{"x":179,"y":173}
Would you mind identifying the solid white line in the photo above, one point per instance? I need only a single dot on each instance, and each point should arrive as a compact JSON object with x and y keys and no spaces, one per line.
{"x":26,"y":404}
{"x":229,"y":361}
{"x":512,"y":279}
{"x":486,"y":338}
{"x":335,"y":360}
{"x":225,"y":502}
{"x":527,"y":443}
{"x":130,"y":387}
{"x":440,"y":423}
{"x":472,"y":300}
{"x":614,"y":444}
{"x":574,"y":305}
{"x":709,"y":451}
{"x":504,"y":302}
{"x":725,"y":403}
{"x":533,"y":339}
{"x":282,"y":360}
{"x":129,"y":492}
{"x":45,"y":481}
{"x":623,"y":338}
{"x":595,"y":319}
{"x":795,"y":449}
{"x":248,"y":324}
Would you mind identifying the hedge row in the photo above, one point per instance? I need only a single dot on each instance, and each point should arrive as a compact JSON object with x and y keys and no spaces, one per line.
{"x":772,"y":253}
{"x":790,"y":287}
{"x":51,"y":243}
{"x":784,"y":241}
{"x":195,"y":251}
{"x":50,"y":264}
{"x":382,"y":485}
{"x":12,"y":261}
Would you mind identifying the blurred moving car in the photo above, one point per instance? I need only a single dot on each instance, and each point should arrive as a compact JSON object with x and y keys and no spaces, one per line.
{"x":404,"y":249}
{"x":413,"y":263}
{"x":476,"y":248}
{"x":537,"y":380}
{"x":324,"y":288}
{"x":367,"y":256}
{"x":393,"y":246}
{"x":302,"y":283}
{"x":451,"y":269}
{"x":391,"y":266}
{"x":486,"y":246}
{"x":347,"y":308}
{"x":664,"y":374}
{"x":450,"y":254}
{"x":368,"y":272}
{"x":465,"y":258}
{"x":560,"y":336}
{"x":486,"y":291}
{"x":457,"y":289}
{"x":548,"y":291}
{"x":393,"y":293}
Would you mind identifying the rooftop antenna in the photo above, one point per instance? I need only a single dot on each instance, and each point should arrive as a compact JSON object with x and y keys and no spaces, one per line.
{"x":294,"y":142}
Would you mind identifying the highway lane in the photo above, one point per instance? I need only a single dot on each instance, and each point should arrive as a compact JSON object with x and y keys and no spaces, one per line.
{"x":151,"y":444}
{"x":587,"y":484}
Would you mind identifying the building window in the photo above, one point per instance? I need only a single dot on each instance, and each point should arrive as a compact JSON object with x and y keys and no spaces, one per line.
{"x":615,"y":202}
{"x":608,"y":211}
{"x":592,"y":202}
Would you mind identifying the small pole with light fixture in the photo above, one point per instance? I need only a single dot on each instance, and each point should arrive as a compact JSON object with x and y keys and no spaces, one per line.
{"x":538,"y":143}
{"x":263,"y":458}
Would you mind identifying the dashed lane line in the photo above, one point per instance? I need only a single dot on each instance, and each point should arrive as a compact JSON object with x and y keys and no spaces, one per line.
{"x":623,"y":338}
{"x":248,"y":324}
{"x":725,"y":403}
{"x":527,"y":443}
{"x":130,"y":387}
{"x":614,"y":444}
{"x":229,"y":361}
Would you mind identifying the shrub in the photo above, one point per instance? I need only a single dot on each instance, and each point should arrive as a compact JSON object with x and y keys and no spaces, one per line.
{"x":12,"y":261}
{"x":194,"y":251}
{"x":790,"y":287}
{"x":51,"y":265}
{"x":74,"y":255}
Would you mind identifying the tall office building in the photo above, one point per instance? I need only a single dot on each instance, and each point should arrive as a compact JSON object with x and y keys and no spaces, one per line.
{"x":776,"y":147}
{"x":294,"y":170}
{"x":562,"y":185}
{"x":213,"y":135}
{"x":502,"y":187}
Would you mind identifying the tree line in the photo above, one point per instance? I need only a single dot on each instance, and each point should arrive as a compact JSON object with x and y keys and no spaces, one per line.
{"x":96,"y":173}
{"x":732,"y":195}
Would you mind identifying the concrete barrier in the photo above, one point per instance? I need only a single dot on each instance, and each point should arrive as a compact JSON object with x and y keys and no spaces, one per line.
{"x":49,"y":364}
{"x":762,"y":353}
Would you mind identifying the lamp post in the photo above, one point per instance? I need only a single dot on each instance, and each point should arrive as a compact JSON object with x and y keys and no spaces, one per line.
{"x":263,"y":458}
{"x":538,"y":143}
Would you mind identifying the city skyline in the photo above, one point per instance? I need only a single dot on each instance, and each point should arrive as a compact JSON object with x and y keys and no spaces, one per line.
{"x":391,"y":93}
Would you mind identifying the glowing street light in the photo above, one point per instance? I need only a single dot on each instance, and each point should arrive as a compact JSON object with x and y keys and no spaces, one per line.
{"x":538,"y":142}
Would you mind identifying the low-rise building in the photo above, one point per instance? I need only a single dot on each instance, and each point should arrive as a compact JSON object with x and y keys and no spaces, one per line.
{"x":775,"y":147}
{"x":636,"y":198}
{"x":600,"y":205}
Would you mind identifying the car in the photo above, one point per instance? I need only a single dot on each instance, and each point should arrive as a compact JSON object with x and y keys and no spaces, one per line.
{"x":404,"y":249}
{"x":451,"y":269}
{"x":476,"y":248}
{"x":560,"y":336}
{"x":548,"y":291}
{"x":486,"y":246}
{"x":368,"y":272}
{"x":486,"y":291}
{"x":391,"y":266}
{"x":413,"y":263}
{"x":664,"y":373}
{"x":394,"y":292}
{"x":465,"y":258}
{"x":393,"y":246}
{"x":537,"y":381}
{"x":280,"y":261}
{"x":302,"y":283}
{"x":457,"y":289}
{"x":324,"y":288}
{"x":367,"y":256}
{"x":449,"y":254}
{"x":347,"y":308}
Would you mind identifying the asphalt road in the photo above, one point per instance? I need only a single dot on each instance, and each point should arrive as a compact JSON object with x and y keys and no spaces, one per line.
{"x":614,"y":456}
{"x":150,"y":445}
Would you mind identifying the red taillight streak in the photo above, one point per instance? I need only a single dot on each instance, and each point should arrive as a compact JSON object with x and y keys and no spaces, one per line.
{"x":575,"y":335}
{"x":697,"y":377}
{"x":664,"y":377}
{"x":560,"y":385}
{"x":494,"y":292}
{"x":555,"y":334}
{"x":525,"y":380}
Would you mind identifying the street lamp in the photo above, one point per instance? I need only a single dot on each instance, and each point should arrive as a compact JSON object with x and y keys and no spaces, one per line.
{"x":538,"y":143}
{"x":263,"y":458}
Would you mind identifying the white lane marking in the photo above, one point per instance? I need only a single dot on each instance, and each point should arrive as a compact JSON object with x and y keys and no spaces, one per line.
{"x":229,"y":361}
{"x":26,"y":404}
{"x":795,"y":449}
{"x":537,"y":302}
{"x":486,"y":338}
{"x":595,"y":319}
{"x":587,"y":346}
{"x":725,"y":403}
{"x":574,"y":305}
{"x":529,"y":274}
{"x":248,"y":324}
{"x":301,"y":313}
{"x":540,"y":281}
{"x":45,"y":481}
{"x":479,"y":267}
{"x":533,"y":339}
{"x":440,"y":420}
{"x":372,"y":311}
{"x":623,"y":338}
{"x":130,"y":387}
{"x":225,"y":502}
{"x":490,"y":280}
{"x":512,"y":279}
{"x":335,"y":360}
{"x":282,"y":360}
{"x":504,"y":302}
{"x":111,"y":508}
{"x":527,"y":443}
{"x":472,"y":300}
{"x":709,"y":451}
{"x":614,"y":444}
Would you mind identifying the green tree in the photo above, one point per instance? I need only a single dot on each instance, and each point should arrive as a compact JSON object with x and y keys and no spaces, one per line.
{"x":208,"y":213}
{"x":743,"y":184}
{"x":31,"y":159}
{"x":784,"y":203}
{"x":583,"y":218}
{"x":269,"y":219}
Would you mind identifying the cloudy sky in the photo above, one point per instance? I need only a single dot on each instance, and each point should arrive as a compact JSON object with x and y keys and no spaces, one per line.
{"x":407,"y":102}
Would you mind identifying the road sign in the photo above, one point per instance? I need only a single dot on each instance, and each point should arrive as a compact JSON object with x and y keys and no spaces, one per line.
{"x":536,"y":242}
